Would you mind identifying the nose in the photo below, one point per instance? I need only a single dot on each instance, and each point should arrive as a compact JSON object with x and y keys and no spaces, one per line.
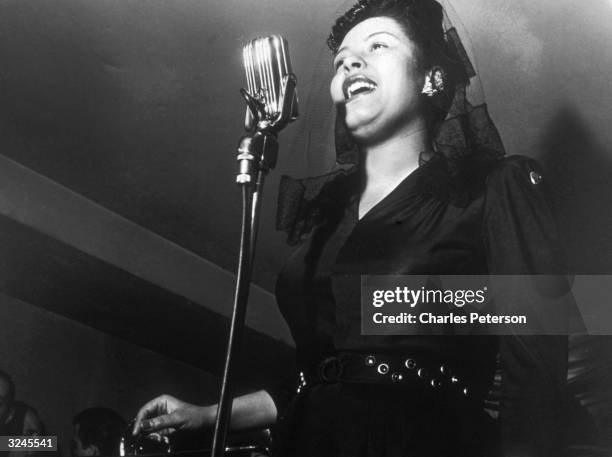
{"x":353,"y":62}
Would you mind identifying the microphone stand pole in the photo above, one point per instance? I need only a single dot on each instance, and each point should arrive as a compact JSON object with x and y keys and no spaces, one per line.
{"x":257,"y":156}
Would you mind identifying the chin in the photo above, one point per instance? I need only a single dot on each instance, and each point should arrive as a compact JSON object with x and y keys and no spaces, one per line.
{"x":363,"y":127}
{"x":360,"y":128}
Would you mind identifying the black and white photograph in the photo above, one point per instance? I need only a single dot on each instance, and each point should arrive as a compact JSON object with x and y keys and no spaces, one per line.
{"x":324,"y":228}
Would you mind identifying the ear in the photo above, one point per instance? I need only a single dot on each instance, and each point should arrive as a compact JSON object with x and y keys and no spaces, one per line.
{"x":435,"y":81}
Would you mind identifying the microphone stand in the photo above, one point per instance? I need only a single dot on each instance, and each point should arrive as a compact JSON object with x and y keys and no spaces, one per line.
{"x":257,"y":156}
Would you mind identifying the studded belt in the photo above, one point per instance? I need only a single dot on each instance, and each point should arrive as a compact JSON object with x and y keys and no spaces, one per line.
{"x":385,"y":369}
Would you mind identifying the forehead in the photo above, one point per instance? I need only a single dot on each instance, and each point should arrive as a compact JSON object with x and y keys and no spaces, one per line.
{"x":374,"y":25}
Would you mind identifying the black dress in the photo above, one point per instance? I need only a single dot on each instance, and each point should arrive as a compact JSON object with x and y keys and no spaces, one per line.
{"x":500,"y":225}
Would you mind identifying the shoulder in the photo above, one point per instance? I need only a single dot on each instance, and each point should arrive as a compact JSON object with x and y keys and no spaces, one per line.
{"x":464,"y":180}
{"x":517,"y":193}
{"x":515,"y":172}
{"x":306,"y":203}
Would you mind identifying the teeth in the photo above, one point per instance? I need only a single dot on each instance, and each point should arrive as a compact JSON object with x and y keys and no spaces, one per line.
{"x":358,"y":85}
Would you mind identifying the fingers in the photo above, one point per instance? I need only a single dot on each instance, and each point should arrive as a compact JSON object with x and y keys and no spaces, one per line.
{"x":164,"y":433}
{"x":161,"y":436}
{"x":157,"y":406}
{"x":156,"y":424}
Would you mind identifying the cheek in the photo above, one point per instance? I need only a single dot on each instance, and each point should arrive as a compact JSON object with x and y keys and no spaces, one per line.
{"x":335,"y":89}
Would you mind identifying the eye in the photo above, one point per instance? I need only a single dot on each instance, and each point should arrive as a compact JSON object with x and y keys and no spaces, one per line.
{"x":338,"y":63}
{"x":377,"y":45}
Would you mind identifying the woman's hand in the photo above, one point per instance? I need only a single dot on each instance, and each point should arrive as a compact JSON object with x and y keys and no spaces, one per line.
{"x":166,"y":414}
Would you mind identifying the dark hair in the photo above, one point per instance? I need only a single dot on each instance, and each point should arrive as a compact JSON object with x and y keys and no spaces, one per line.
{"x":11,"y":385}
{"x":421,"y":21}
{"x":101,"y":427}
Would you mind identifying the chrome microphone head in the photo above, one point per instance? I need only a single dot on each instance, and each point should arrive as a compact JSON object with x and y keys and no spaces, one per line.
{"x":271,"y":94}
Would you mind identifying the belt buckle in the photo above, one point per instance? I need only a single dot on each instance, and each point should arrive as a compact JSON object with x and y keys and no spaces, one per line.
{"x":330,"y":370}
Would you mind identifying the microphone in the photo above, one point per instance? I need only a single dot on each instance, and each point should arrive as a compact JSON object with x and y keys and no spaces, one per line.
{"x":271,"y":104}
{"x":271,"y":96}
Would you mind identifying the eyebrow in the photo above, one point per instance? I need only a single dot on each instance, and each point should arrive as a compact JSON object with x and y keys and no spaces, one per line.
{"x":368,"y":37}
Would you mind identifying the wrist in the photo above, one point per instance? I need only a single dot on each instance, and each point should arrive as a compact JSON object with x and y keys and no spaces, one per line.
{"x":208,"y":415}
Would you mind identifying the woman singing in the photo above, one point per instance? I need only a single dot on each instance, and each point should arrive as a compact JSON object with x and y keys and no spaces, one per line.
{"x":429,"y":194}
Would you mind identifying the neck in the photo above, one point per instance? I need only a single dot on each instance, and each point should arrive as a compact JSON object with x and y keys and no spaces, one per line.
{"x":395,"y":158}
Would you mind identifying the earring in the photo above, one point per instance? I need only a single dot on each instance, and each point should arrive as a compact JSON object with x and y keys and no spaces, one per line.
{"x":434,"y":82}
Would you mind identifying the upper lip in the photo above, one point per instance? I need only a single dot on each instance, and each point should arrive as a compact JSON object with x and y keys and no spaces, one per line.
{"x":355,"y":79}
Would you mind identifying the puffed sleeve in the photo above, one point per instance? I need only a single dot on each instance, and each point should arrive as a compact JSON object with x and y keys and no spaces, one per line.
{"x":521,"y":239}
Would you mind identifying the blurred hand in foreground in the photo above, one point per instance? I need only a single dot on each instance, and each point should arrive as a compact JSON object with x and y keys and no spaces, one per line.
{"x":165,"y":414}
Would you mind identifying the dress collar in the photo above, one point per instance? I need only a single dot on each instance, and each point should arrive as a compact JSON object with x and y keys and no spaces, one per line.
{"x":306,"y":203}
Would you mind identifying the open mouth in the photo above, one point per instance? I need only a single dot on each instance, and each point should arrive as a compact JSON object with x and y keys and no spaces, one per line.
{"x":357,"y":85}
